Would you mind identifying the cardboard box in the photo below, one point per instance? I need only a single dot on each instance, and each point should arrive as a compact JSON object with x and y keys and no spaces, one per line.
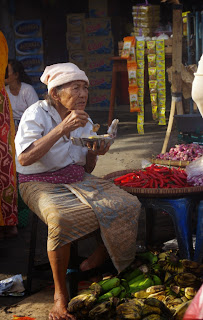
{"x":98,"y":8}
{"x":75,"y":22}
{"x":97,"y":27}
{"x":75,"y":40}
{"x":99,"y":62}
{"x":99,"y":99}
{"x":99,"y":44}
{"x":29,"y":46}
{"x":28,"y":28}
{"x":32,"y":62}
{"x":78,"y":57}
{"x":100,"y":80}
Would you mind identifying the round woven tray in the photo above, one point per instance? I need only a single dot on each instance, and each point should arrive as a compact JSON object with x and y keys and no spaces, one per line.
{"x":154,"y":192}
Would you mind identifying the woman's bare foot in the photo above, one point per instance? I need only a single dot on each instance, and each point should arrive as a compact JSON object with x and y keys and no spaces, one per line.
{"x":97,"y":258}
{"x":59,"y":310}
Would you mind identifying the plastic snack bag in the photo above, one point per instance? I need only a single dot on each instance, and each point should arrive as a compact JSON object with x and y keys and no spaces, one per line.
{"x":128,"y":43}
{"x":132,"y":73}
{"x":133,"y":95}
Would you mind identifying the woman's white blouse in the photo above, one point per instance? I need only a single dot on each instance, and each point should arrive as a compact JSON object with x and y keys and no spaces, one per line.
{"x":26,"y":97}
{"x":37,"y":121}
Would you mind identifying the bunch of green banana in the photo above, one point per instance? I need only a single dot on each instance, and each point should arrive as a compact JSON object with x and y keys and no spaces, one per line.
{"x":108,"y":284}
{"x":140,"y":283}
{"x":131,"y":274}
{"x":111,"y":293}
{"x":148,"y":256}
{"x":84,"y":300}
{"x":186,"y":279}
{"x":190,"y":293}
{"x":130,"y":310}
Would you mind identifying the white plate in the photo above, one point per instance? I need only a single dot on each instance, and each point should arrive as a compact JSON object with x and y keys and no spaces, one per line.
{"x":83,"y":141}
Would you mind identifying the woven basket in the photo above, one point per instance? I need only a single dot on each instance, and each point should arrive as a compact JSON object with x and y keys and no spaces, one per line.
{"x":154,"y":192}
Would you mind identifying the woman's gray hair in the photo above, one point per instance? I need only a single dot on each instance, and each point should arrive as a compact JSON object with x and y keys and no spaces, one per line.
{"x":48,"y":96}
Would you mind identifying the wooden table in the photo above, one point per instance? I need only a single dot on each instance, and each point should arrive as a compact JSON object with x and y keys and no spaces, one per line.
{"x":119,"y":65}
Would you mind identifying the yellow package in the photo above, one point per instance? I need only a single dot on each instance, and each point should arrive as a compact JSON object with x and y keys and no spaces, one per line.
{"x":132,"y":73}
{"x":140,"y":92}
{"x":128,"y":42}
{"x":160,"y":56}
{"x":133,"y":97}
{"x":160,"y":83}
{"x":160,"y":64}
{"x":153,"y":97}
{"x":140,"y":45}
{"x":160,"y":45}
{"x":151,"y":47}
{"x":152,"y":73}
{"x":161,"y":92}
{"x":160,"y":74}
{"x":140,"y":73}
{"x":153,"y":86}
{"x":140,"y":82}
{"x":140,"y":64}
{"x":140,"y":55}
{"x":151,"y":60}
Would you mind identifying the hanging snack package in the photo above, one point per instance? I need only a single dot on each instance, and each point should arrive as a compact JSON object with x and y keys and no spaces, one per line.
{"x":140,"y":51}
{"x":151,"y":60}
{"x":132,"y":53}
{"x":153,"y":86}
{"x":128,"y":43}
{"x":161,"y":75}
{"x":152,"y":73}
{"x":132,"y":73}
{"x":133,"y":97}
{"x":151,"y":47}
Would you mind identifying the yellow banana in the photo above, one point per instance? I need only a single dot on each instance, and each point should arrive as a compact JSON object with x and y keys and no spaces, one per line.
{"x":180,"y":311}
{"x":142,"y":294}
{"x":190,"y":293}
{"x":185,"y":279}
{"x":154,"y":289}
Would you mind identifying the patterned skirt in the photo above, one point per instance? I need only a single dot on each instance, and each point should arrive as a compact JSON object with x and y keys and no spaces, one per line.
{"x":75,"y":210}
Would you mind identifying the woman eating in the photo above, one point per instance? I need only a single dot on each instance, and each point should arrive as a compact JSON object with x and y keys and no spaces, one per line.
{"x":56,"y":181}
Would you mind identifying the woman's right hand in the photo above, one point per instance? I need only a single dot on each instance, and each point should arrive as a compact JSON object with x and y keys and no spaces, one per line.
{"x":74,"y":120}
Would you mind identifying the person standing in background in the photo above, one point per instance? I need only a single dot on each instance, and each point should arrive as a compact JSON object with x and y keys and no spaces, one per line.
{"x":19,"y":89}
{"x":8,"y":184}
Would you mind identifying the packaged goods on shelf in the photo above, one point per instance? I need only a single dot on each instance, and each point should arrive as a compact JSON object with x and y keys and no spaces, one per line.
{"x":100,"y":80}
{"x":145,"y":19}
{"x":97,"y":8}
{"x":27,"y":28}
{"x":99,"y":62}
{"x":97,"y":27}
{"x":99,"y":44}
{"x":75,"y":40}
{"x":78,"y":57}
{"x":75,"y":22}
{"x":99,"y":99}
{"x":27,"y":46}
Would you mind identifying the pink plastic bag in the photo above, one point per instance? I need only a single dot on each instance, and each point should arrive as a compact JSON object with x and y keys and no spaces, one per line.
{"x":195,"y":309}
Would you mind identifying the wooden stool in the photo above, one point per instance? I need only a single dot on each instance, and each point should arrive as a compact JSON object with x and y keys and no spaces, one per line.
{"x":72,"y":276}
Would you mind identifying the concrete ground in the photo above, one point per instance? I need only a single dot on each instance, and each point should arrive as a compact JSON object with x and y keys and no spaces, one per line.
{"x":128,"y":151}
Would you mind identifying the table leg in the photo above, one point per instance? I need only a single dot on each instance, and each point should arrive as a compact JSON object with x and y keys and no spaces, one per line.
{"x":180,"y":211}
{"x":113,"y":94}
{"x":198,"y":256}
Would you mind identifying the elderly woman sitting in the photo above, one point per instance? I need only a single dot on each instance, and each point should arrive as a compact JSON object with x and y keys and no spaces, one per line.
{"x":55,"y":180}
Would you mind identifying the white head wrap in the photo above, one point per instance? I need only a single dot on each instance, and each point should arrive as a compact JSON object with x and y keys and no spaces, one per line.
{"x":61,"y":73}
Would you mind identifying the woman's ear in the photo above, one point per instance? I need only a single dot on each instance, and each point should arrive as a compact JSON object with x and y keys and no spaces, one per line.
{"x":54,"y":94}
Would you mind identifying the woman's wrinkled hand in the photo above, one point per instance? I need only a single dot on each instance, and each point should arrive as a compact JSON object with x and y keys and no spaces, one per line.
{"x":74,"y":120}
{"x":98,"y":149}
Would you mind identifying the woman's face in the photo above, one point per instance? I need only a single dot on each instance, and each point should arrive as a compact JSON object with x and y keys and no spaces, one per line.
{"x":74,"y":95}
{"x":11,"y":75}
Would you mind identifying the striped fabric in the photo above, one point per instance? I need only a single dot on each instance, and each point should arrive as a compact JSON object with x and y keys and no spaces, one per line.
{"x":75,"y":210}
